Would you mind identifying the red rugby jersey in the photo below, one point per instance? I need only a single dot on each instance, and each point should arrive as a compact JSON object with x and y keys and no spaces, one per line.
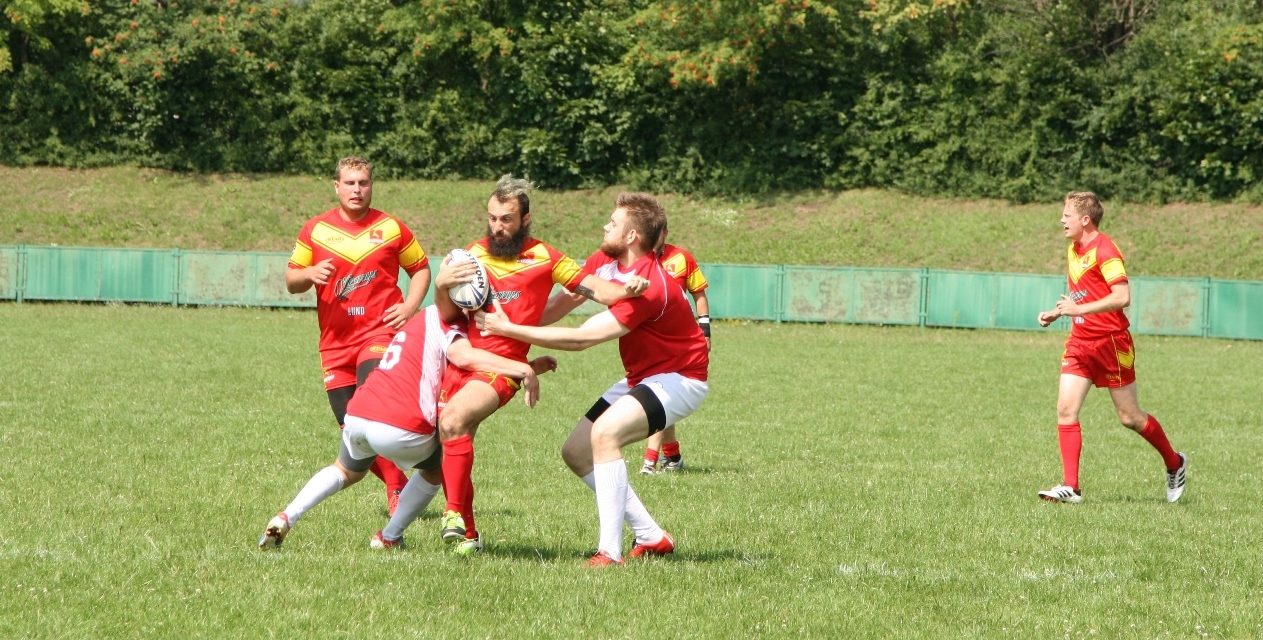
{"x":1093,"y":268}
{"x":367,"y":255}
{"x":664,"y":337}
{"x":522,"y":286}
{"x":681,"y":266}
{"x":404,"y":389}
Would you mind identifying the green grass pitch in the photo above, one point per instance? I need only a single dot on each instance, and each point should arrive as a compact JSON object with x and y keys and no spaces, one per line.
{"x":843,"y":481}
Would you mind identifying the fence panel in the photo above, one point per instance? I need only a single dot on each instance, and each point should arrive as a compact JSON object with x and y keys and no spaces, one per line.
{"x":742,"y":291}
{"x":1167,"y":306}
{"x":1236,"y":309}
{"x":98,"y":274}
{"x":844,"y":294}
{"x":8,"y":273}
{"x":992,"y":300}
{"x":238,"y":278}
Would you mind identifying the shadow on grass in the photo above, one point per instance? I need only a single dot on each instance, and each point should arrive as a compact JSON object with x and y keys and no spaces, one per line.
{"x":529,"y":553}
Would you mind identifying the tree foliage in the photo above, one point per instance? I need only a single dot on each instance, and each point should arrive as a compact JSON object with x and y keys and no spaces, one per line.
{"x":1020,"y":99}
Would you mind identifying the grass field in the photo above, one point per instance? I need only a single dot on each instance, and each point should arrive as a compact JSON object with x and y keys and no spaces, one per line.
{"x":145,"y":208}
{"x":844,"y":481}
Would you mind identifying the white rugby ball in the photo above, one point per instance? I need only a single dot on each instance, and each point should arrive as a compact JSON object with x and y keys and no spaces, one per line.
{"x":473,"y":294}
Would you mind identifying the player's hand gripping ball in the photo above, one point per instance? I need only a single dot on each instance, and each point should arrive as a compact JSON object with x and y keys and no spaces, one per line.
{"x":473,"y":294}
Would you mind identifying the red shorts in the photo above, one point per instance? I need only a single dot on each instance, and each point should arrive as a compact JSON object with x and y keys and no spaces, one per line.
{"x":1108,"y":361}
{"x":340,"y":364}
{"x":455,"y":379}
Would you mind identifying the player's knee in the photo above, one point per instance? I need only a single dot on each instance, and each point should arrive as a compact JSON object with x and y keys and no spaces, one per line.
{"x":1134,"y":421}
{"x":1067,"y":414}
{"x":454,"y":425}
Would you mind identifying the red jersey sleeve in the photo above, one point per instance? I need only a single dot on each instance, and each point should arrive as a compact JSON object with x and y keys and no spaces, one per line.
{"x":630,"y":312}
{"x":411,"y":256}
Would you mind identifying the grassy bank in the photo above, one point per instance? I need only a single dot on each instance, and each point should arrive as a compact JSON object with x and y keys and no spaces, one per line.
{"x":146,"y":208}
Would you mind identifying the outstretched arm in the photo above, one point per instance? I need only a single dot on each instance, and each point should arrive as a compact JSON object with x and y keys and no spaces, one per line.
{"x":599,"y":328}
{"x":607,"y":293}
{"x":466,"y":356}
{"x":558,"y":306}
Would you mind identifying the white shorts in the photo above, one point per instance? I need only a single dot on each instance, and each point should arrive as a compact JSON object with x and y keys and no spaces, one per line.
{"x":364,"y":439}
{"x":679,"y":396}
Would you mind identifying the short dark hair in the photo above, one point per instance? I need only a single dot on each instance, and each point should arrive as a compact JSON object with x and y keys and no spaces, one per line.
{"x":510,"y":188}
{"x":1085,"y":203}
{"x":645,"y":214}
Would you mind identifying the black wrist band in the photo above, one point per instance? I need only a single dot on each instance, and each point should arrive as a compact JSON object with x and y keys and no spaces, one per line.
{"x":703,"y":321}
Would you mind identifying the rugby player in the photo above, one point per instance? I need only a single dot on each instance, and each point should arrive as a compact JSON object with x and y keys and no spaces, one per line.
{"x":682,"y":268}
{"x":665,"y":357}
{"x":393,"y":414}
{"x":352,"y":254}
{"x":522,"y":272}
{"x":1099,"y":350}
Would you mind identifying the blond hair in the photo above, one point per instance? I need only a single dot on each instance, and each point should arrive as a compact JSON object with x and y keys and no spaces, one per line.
{"x":1085,"y":203}
{"x":354,"y":163}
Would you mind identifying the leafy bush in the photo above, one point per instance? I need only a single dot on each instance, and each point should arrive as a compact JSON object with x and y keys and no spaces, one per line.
{"x":999,"y":98}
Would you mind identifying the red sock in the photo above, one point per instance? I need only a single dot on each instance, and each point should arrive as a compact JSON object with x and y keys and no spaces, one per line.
{"x":651,"y":455}
{"x":1154,"y":434}
{"x":458,"y":483}
{"x":671,"y":449}
{"x":1070,"y":437}
{"x":389,"y":473}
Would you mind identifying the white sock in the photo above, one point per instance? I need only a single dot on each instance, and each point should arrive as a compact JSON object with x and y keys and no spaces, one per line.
{"x":634,"y":512}
{"x":611,"y":501}
{"x":413,"y":500}
{"x":637,"y":516}
{"x":325,"y":483}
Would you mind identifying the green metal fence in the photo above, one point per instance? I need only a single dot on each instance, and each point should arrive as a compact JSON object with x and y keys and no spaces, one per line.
{"x":918,"y":297}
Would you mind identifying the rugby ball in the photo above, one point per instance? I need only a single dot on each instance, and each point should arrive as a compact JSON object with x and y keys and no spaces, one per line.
{"x":470,"y":295}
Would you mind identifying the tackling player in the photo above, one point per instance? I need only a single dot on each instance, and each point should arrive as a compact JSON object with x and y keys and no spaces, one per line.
{"x":352,"y":254}
{"x":1099,"y":351}
{"x":393,"y":415}
{"x":682,"y":268}
{"x":522,"y":272}
{"x":665,"y":357}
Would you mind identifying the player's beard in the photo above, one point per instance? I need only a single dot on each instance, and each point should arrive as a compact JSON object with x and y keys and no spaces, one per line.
{"x":508,"y":247}
{"x":612,"y":250}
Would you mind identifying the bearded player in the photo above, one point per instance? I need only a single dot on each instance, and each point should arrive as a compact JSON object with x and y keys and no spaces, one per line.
{"x":522,"y":272}
{"x":393,"y":414}
{"x":665,"y":358}
{"x":352,"y":254}
{"x":1099,"y":351}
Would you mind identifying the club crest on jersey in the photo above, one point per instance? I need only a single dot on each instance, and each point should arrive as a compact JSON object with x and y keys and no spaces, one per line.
{"x":375,"y":236}
{"x":343,"y":288}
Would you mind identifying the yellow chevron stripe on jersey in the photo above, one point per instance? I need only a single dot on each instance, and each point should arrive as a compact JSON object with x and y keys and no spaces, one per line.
{"x":675,"y":265}
{"x":501,"y":268}
{"x":1079,"y":265}
{"x":354,"y":248}
{"x":302,"y":255}
{"x":1112,"y":270}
